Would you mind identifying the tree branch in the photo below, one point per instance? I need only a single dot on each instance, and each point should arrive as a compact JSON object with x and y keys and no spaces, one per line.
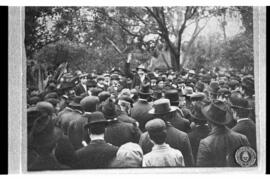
{"x":114,"y":45}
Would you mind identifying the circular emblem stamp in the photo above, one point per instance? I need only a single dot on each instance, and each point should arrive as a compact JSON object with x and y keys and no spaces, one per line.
{"x":245,"y":156}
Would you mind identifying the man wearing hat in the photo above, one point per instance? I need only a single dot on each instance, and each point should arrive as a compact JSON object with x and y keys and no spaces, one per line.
{"x":245,"y":125}
{"x":140,"y":109}
{"x":176,"y":118}
{"x":249,"y":91}
{"x":76,"y":131}
{"x":81,"y":87}
{"x":118,"y":132}
{"x":162,"y":155}
{"x":101,"y":83}
{"x":72,"y":112}
{"x":175,"y":138}
{"x":98,"y":153}
{"x":222,"y":142}
{"x":43,"y":138}
{"x":125,"y":104}
{"x":200,"y":129}
{"x":115,"y":86}
{"x":138,"y":78}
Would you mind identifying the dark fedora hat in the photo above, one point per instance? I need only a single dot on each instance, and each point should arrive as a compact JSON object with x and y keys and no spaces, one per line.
{"x":44,"y":132}
{"x":162,"y":106}
{"x":172,"y":95}
{"x":239,"y":102}
{"x":96,"y":118}
{"x":145,"y":89}
{"x":109,"y":109}
{"x":217,"y":112}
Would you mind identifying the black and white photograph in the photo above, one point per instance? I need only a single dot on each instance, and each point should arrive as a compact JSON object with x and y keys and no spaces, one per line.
{"x":137,"y":87}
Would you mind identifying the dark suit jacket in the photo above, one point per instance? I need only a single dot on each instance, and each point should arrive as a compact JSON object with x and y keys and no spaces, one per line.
{"x":179,"y":122}
{"x":48,"y":162}
{"x":76,"y":131}
{"x":119,"y":133}
{"x":98,"y":154}
{"x":247,"y":128}
{"x":220,"y":144}
{"x":79,"y":89}
{"x":176,"y":139}
{"x":195,"y":136}
{"x":139,"y":112}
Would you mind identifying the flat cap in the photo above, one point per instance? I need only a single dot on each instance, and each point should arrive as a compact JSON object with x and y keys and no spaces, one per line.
{"x":155,"y":125}
{"x":88,"y":102}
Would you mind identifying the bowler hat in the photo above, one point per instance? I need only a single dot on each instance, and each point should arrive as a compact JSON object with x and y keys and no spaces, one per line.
{"x":96,"y":118}
{"x":162,"y":106}
{"x":217,"y":112}
{"x":239,"y":102}
{"x":145,"y":89}
{"x":89,"y":102}
{"x":155,"y":125}
{"x":172,"y":95}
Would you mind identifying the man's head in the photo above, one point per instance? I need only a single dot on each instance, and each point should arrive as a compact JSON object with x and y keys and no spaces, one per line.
{"x":83,"y":79}
{"x":156,"y":129}
{"x":239,"y":106}
{"x":96,"y":123}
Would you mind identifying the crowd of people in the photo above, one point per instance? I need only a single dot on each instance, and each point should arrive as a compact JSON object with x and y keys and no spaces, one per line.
{"x":136,"y":118}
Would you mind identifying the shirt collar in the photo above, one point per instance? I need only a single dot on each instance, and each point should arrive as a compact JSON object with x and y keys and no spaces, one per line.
{"x":160,"y":147}
{"x":243,"y":119}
